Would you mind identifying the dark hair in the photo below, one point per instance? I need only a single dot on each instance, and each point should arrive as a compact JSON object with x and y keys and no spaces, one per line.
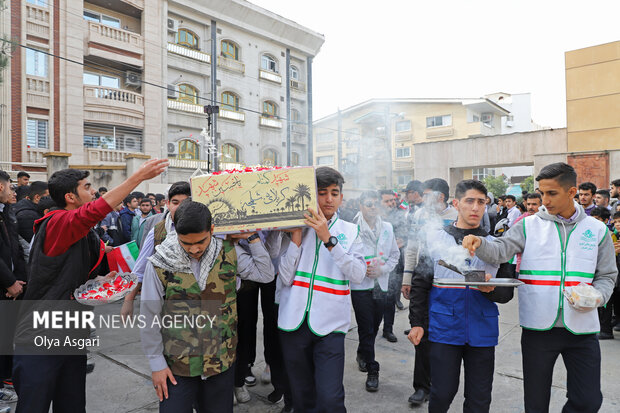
{"x":561,"y":172}
{"x":588,"y":186}
{"x":159,"y":197}
{"x":65,"y":182}
{"x":414,"y":186}
{"x":4,"y":177}
{"x":191,"y":218}
{"x":521,"y":207}
{"x":386,"y":192}
{"x":602,"y":212}
{"x":102,"y":189}
{"x":502,"y":197}
{"x":510,"y":197}
{"x":37,"y":188}
{"x":146,"y":200}
{"x":438,"y":185}
{"x":129,"y":198}
{"x":23,"y":173}
{"x":149,"y":194}
{"x":179,"y":188}
{"x":616,"y":182}
{"x":45,"y":203}
{"x":616,"y":214}
{"x":326,"y":176}
{"x":368,"y":195}
{"x":467,"y":184}
{"x":138,"y":195}
{"x":604,"y":192}
{"x":534,"y":195}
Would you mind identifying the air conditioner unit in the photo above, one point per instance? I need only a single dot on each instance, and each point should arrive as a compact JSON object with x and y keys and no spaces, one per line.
{"x":487,"y":117}
{"x":133,"y":79}
{"x":132,"y":143}
{"x":173,"y":25}
{"x":509,"y":123}
{"x":172,"y":149}
{"x":172,"y":92}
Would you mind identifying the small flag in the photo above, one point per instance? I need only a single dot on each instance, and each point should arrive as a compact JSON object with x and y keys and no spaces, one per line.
{"x":123,"y":258}
{"x":404,"y":205}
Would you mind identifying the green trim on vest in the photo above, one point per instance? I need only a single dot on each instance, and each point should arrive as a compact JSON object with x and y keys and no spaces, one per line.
{"x":322,"y":278}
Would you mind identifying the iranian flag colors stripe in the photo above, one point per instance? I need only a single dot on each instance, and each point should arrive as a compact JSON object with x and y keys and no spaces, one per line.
{"x":123,"y":258}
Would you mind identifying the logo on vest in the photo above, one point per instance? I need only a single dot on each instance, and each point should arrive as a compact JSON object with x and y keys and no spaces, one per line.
{"x":342,"y":240}
{"x":588,"y":241}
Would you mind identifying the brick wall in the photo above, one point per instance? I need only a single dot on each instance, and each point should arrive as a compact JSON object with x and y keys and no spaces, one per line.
{"x":591,"y":168}
{"x":16,"y":83}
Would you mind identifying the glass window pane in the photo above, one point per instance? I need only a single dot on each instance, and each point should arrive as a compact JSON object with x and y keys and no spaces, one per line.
{"x":91,"y":79}
{"x":110,"y":21}
{"x":42,"y":133}
{"x":91,"y":16}
{"x":31,"y":133}
{"x":110,"y":81}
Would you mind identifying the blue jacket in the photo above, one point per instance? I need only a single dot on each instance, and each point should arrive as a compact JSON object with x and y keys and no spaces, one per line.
{"x":126,"y":216}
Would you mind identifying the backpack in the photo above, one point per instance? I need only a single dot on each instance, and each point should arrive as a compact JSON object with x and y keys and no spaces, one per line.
{"x":501,"y":227}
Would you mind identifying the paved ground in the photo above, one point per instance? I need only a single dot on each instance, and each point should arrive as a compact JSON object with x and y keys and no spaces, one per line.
{"x":121,"y":383}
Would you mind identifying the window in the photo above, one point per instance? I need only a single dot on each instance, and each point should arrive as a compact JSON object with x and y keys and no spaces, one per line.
{"x":36,"y":133}
{"x":188,"y":94}
{"x":187,"y":38}
{"x":96,"y":79}
{"x":295,"y":116}
{"x":403,"y":125}
{"x":36,"y":63}
{"x":434,"y":121}
{"x":230,"y":101}
{"x":188,"y":149}
{"x":268,"y":63}
{"x":403,"y":180}
{"x":230,"y":153}
{"x":325,"y":137}
{"x":270,"y":157}
{"x":487,"y":118}
{"x":294,"y":159}
{"x":475,"y":118}
{"x":230,"y":50}
{"x":102,"y":18}
{"x":325,"y":160}
{"x":270,"y":109}
{"x":39,"y":2}
{"x":480,"y":173}
{"x":403,"y":152}
{"x":294,"y":73}
{"x":99,"y":141}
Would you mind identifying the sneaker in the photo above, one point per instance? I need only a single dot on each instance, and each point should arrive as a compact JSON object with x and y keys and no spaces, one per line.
{"x":372,"y":381}
{"x":8,"y":395}
{"x":275,"y":397}
{"x":417,"y":398}
{"x":390,"y":337}
{"x":250,"y":380}
{"x":242,"y":394}
{"x":265,"y":376}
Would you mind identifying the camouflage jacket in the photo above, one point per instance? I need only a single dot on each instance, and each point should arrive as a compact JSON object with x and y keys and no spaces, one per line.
{"x":202,"y":348}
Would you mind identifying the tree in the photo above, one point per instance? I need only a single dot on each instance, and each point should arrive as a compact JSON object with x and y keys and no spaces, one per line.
{"x":496,"y":184}
{"x":302,"y":191}
{"x":528,"y":184}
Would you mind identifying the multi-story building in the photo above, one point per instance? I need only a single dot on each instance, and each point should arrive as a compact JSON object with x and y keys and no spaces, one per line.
{"x":372,"y":143}
{"x":101,"y":81}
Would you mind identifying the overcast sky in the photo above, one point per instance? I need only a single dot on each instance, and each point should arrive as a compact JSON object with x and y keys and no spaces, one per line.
{"x":449,"y":48}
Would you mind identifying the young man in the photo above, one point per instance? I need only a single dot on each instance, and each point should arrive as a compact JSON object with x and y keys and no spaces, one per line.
{"x":113,"y":228}
{"x":128,"y":213}
{"x":462,"y":321}
{"x":369,"y":297}
{"x":315,"y":300}
{"x":513,"y":212}
{"x":614,"y":192}
{"x":586,"y":196}
{"x":561,"y":247}
{"x":137,"y":224}
{"x":23,"y":179}
{"x":26,"y":210}
{"x":64,"y":253}
{"x":438,"y":213}
{"x":601,"y":198}
{"x":193,"y":274}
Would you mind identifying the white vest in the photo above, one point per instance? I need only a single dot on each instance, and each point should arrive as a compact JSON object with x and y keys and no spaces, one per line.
{"x":381,"y":251}
{"x":547,"y":267}
{"x":320,"y":292}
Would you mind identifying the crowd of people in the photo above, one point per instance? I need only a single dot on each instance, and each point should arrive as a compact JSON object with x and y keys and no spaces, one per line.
{"x":366,"y":253}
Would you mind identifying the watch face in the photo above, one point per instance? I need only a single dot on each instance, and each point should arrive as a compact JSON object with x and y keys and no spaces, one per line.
{"x":333,"y":240}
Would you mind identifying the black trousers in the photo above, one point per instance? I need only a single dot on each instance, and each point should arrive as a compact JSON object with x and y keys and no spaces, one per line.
{"x":368,"y":314}
{"x":582,"y":357}
{"x":446,"y":361}
{"x":422,"y":366}
{"x":213,"y":395}
{"x":41,"y":380}
{"x":247,"y":311}
{"x":279,"y":378}
{"x":315,"y":367}
{"x":605,"y":313}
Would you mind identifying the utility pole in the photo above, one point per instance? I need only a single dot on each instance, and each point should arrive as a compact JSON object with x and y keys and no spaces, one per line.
{"x":388,"y":142}
{"x":210,"y":140}
{"x":339,"y":147}
{"x":288,"y":107}
{"x":213,"y":132}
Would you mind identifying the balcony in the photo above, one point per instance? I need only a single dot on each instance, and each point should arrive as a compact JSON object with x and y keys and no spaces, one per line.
{"x":138,"y":4}
{"x":439,"y":132}
{"x":270,"y":122}
{"x":35,"y":156}
{"x":187,"y":52}
{"x":37,"y":92}
{"x":232,"y":115}
{"x":298,"y":128}
{"x":298,"y":86}
{"x":110,"y":105}
{"x":37,"y":21}
{"x":403,"y":165}
{"x":188,"y":163}
{"x":230,"y":64}
{"x":114,"y":44}
{"x":270,"y":76}
{"x":96,"y":156}
{"x":185,"y":107}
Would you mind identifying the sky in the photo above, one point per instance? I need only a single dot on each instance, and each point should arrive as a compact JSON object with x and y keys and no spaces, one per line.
{"x":448,"y":48}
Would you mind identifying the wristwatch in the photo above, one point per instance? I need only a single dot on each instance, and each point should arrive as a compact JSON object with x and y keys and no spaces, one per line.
{"x":331,"y":242}
{"x":253,"y":237}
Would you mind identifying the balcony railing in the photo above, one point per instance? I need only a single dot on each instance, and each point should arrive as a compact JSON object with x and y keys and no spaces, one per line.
{"x":270,"y":122}
{"x":271,"y":76}
{"x":113,"y":95}
{"x":105,"y":105}
{"x":115,"y":37}
{"x":185,"y":107}
{"x":232,"y":115}
{"x":99,"y":155}
{"x":37,"y":20}
{"x":440,"y":132}
{"x":188,"y":163}
{"x":37,"y":92}
{"x":187,"y":52}
{"x":35,"y":155}
{"x":230,"y":64}
{"x":297,"y":85}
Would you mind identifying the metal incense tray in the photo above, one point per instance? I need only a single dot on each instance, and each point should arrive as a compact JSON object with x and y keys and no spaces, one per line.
{"x":493,"y":282}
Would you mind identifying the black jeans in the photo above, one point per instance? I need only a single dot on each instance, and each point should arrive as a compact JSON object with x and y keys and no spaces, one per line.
{"x":41,"y":380}
{"x":213,"y":395}
{"x":315,"y":367}
{"x":582,"y":357}
{"x":422,"y":366}
{"x":446,"y":360}
{"x":605,"y":313}
{"x":368,"y":314}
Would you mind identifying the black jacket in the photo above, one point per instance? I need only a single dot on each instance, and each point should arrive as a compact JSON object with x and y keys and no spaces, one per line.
{"x":12,"y":264}
{"x":26,"y":212}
